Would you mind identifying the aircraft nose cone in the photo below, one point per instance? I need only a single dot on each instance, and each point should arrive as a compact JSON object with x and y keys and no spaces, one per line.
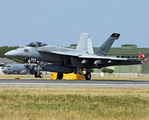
{"x":11,"y":54}
{"x":4,"y":70}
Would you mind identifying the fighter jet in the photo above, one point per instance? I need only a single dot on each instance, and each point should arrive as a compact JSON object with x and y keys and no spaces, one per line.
{"x":67,"y":60}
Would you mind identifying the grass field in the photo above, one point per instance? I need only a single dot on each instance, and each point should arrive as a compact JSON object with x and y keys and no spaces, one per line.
{"x":74,"y":103}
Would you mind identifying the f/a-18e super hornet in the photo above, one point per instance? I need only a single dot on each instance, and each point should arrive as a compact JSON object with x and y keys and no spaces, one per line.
{"x":67,"y":60}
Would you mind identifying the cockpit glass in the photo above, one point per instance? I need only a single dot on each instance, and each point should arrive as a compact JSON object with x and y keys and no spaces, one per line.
{"x":40,"y":44}
{"x":36,"y":44}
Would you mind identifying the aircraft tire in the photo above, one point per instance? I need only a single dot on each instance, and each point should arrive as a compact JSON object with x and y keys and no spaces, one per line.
{"x":40,"y":75}
{"x":59,"y":76}
{"x":88,"y":76}
{"x":36,"y":76}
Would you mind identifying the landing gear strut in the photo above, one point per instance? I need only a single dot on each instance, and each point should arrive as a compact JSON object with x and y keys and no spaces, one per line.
{"x":80,"y":71}
{"x":38,"y":73}
{"x":59,"y":76}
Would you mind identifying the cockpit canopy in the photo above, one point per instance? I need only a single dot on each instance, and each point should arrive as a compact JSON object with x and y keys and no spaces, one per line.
{"x":36,"y":44}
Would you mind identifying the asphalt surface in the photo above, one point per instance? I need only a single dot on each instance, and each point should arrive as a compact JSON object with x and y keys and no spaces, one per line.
{"x":73,"y":83}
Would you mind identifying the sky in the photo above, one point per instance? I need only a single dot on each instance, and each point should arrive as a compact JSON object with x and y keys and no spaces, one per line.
{"x":60,"y":22}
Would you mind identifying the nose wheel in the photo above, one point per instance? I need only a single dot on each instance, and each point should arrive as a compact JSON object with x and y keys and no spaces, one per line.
{"x":40,"y":75}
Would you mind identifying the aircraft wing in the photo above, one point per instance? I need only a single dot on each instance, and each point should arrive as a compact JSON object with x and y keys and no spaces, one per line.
{"x":110,"y":60}
{"x":87,"y":56}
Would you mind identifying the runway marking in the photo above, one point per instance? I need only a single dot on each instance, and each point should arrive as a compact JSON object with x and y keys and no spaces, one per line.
{"x":73,"y":85}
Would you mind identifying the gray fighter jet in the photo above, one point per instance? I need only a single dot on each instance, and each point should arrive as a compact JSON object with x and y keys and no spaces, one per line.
{"x":67,"y":60}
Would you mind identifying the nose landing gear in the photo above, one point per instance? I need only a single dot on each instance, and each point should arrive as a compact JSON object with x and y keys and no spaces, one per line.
{"x":40,"y":75}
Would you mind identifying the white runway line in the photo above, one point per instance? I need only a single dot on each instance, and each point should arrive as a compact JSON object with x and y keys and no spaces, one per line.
{"x":73,"y":85}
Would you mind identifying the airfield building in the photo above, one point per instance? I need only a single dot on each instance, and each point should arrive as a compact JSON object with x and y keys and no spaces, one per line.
{"x":3,"y":60}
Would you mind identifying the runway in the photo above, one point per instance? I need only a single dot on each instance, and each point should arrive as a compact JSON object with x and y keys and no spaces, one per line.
{"x":73,"y":83}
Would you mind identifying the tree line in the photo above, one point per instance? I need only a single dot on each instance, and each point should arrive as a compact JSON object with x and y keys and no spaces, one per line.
{"x":107,"y":70}
{"x":5,"y":49}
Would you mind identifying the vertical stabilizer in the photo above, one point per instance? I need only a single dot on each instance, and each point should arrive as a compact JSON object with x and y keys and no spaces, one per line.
{"x":104,"y":48}
{"x":85,"y":44}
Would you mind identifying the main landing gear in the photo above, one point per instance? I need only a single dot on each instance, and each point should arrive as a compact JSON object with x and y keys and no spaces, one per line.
{"x":88,"y":76}
{"x":59,"y":76}
{"x":80,"y":71}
